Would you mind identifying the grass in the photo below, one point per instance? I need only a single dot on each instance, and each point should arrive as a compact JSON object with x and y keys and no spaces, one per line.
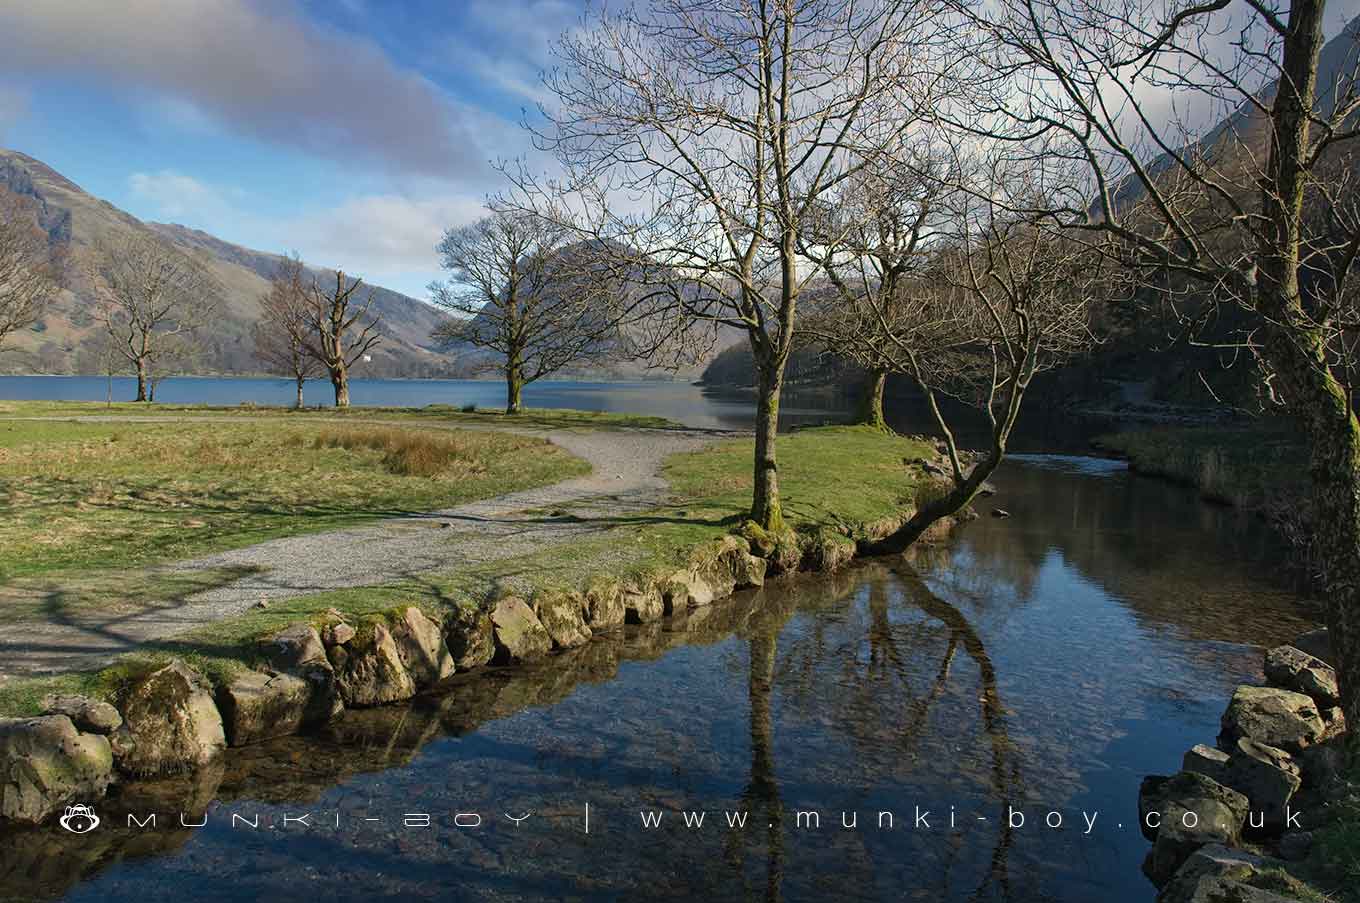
{"x":530,"y":418}
{"x":1245,"y":466}
{"x":838,"y":479}
{"x":92,"y":496}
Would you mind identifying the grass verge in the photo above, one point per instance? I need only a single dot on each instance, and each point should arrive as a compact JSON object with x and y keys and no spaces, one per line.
{"x":834,"y":480}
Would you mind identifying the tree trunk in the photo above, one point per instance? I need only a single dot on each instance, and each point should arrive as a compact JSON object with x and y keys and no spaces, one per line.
{"x":300,"y":381}
{"x":514,"y":389}
{"x":947,"y":505}
{"x":141,"y":379}
{"x":765,"y":508}
{"x":340,"y":380}
{"x":870,"y":411}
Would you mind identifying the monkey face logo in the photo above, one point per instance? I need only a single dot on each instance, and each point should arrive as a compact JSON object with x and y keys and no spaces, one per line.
{"x":79,"y":820}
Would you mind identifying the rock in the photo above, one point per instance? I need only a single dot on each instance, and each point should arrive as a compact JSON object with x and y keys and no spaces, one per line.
{"x":1000,"y":512}
{"x":684,"y":590}
{"x":258,"y":706}
{"x":369,"y":670}
{"x":1221,"y":890}
{"x":1150,"y":799}
{"x":170,"y":723}
{"x":263,"y":603}
{"x":751,"y":572}
{"x":337,"y":634}
{"x":604,"y":605}
{"x":1318,"y":644}
{"x":46,"y":763}
{"x":421,"y":648}
{"x":469,"y":634}
{"x":1296,"y":845}
{"x":643,"y":606}
{"x":563,"y":617}
{"x":86,"y":714}
{"x":1195,"y":811}
{"x":1275,"y":717}
{"x":1324,"y":762}
{"x":1294,"y":669}
{"x":1334,"y":723}
{"x":520,"y":636}
{"x":1206,"y":760}
{"x":828,"y":552}
{"x":1268,"y":778}
{"x":295,"y":647}
{"x":1209,"y":869}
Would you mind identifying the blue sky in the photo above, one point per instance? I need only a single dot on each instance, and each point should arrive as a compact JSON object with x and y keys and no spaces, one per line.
{"x":353,"y":131}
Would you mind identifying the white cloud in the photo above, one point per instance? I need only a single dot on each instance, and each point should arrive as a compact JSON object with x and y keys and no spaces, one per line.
{"x":176,"y":195}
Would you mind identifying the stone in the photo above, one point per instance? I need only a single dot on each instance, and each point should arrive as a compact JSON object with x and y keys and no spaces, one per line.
{"x":563,"y":617}
{"x":643,"y":606}
{"x":1275,"y":717}
{"x":751,"y":571}
{"x":1209,"y":868}
{"x":1296,"y":845}
{"x":1222,"y":890}
{"x":1267,"y":776}
{"x":1334,"y":723}
{"x":85,"y":713}
{"x":520,"y":636}
{"x":421,"y":648}
{"x":683,"y":590}
{"x":604,"y":606}
{"x":1206,"y":760}
{"x":1324,"y":762}
{"x":258,"y":706}
{"x":46,"y":764}
{"x":1318,"y":644}
{"x":469,"y":634}
{"x":1195,"y":811}
{"x":294,"y":647}
{"x":369,"y":670}
{"x":337,"y":634}
{"x":1294,"y":669}
{"x":170,"y":723}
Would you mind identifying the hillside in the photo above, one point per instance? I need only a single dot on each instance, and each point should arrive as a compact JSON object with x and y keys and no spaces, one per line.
{"x":68,"y":340}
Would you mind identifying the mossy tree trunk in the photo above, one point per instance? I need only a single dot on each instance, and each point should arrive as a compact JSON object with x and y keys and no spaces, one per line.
{"x":141,"y":379}
{"x":340,"y":381}
{"x":514,"y":387}
{"x":300,"y":381}
{"x":765,"y":506}
{"x":870,"y":410}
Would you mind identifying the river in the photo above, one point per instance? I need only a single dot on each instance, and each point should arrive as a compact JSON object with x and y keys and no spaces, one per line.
{"x":1041,"y":663}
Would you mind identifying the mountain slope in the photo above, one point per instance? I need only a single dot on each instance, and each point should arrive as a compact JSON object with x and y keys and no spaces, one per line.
{"x":69,"y":340}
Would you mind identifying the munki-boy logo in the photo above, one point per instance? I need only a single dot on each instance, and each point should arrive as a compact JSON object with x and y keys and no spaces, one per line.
{"x":79,"y":819}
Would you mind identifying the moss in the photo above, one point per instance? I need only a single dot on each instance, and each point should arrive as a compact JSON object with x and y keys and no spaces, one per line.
{"x":1279,"y":881}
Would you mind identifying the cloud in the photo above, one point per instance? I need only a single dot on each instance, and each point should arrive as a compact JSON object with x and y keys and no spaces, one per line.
{"x":257,"y":67}
{"x":177,"y":195}
{"x":380,"y":234}
{"x":13,"y":107}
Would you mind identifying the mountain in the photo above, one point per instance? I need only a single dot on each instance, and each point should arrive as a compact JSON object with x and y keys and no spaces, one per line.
{"x":68,"y":339}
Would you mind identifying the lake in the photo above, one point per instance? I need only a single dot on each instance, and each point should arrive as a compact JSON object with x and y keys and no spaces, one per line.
{"x":1034,"y":666}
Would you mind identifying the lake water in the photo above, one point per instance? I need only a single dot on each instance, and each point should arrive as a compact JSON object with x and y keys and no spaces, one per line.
{"x":1043,"y":662}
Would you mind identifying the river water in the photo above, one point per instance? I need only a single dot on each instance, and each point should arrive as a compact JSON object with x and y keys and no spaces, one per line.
{"x":1042,"y":663}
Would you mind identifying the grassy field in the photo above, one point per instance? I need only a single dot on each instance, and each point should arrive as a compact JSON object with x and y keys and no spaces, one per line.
{"x":83,"y":496}
{"x":831,"y":478}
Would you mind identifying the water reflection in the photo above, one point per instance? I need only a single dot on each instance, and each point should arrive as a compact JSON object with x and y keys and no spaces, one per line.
{"x":1043,"y":662}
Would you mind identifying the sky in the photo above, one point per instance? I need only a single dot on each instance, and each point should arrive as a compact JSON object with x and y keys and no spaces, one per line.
{"x":351,"y":131}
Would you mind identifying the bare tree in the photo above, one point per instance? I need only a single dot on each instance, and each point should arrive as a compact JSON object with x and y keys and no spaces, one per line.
{"x":340,"y":330}
{"x":518,"y":287}
{"x":280,"y":334}
{"x":31,"y":270}
{"x":710,"y":129}
{"x":1220,"y":219}
{"x":151,"y":299}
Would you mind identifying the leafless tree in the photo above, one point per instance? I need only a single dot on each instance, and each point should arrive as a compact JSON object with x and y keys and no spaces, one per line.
{"x":280,"y":334}
{"x":709,"y":130}
{"x":151,"y":299}
{"x":519,"y":287}
{"x":1258,"y":216}
{"x":32,"y":271}
{"x":340,"y":329}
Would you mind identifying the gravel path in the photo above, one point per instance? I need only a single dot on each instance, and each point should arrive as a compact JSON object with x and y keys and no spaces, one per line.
{"x":625,"y":478}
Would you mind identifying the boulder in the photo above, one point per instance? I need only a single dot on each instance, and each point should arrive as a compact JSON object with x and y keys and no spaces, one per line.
{"x":604,"y":606}
{"x":1275,"y":717}
{"x":563,"y":617}
{"x":1318,"y":644}
{"x":85,"y":713}
{"x":46,"y":763}
{"x":1206,"y":760}
{"x":683,"y":590}
{"x":257,"y":706}
{"x":1334,"y":723}
{"x":1195,"y":811}
{"x":369,"y":670}
{"x":295,"y":647}
{"x":1213,"y":871}
{"x":421,"y":648}
{"x":520,"y":636}
{"x":1267,"y":776}
{"x":337,"y":634}
{"x":643,"y":606}
{"x":469,"y":634}
{"x":1296,"y":845}
{"x":170,"y":723}
{"x":1210,"y":889}
{"x":1324,"y":762}
{"x":1294,"y":669}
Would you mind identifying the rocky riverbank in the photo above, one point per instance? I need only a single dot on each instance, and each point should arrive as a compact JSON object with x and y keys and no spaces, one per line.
{"x":1232,"y":822}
